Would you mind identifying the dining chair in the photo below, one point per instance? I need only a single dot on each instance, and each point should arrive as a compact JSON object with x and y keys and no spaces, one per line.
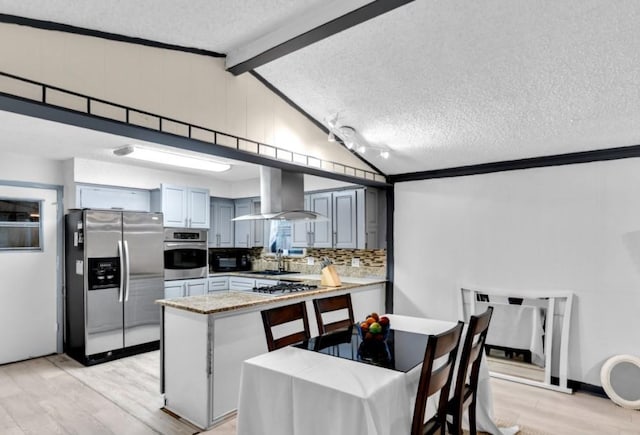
{"x":281,"y":315}
{"x":330,"y":304}
{"x":465,"y":393}
{"x":436,"y":380}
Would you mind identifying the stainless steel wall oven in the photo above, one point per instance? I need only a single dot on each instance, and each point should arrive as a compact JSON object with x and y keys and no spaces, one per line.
{"x":185,"y":254}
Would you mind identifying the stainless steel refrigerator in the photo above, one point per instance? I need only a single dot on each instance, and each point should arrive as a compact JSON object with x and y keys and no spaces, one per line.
{"x":114,"y":275}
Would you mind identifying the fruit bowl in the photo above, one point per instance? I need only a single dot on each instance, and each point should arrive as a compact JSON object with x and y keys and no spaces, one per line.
{"x":374,"y":328}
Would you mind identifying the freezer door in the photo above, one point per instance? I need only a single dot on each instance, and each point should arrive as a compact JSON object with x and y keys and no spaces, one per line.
{"x":102,"y":234}
{"x":143,"y":238}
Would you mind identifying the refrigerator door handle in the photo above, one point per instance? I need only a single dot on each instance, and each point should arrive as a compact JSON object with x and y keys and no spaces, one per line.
{"x":128,"y":276}
{"x":122,"y":270}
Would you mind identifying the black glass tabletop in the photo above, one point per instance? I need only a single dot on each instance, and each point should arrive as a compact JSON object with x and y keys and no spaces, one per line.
{"x":401,"y":351}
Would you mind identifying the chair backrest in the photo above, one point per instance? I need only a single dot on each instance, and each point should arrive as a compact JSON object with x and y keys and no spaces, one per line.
{"x":434,"y":380}
{"x":333,"y":303}
{"x":280,"y":315}
{"x":472,"y":354}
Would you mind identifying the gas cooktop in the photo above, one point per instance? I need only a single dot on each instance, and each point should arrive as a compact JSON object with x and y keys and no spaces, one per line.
{"x":285,"y":288}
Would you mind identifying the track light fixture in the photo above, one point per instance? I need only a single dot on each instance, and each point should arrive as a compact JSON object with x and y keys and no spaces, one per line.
{"x":350,"y":138}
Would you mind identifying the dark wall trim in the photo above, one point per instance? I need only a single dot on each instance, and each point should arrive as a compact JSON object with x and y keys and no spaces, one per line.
{"x":390,"y":251}
{"x":50,"y":25}
{"x":57,"y":114}
{"x":309,"y":117}
{"x":528,"y":163}
{"x":323,"y":31}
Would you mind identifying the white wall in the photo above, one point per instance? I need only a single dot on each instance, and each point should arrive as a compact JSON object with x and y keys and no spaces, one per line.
{"x":184,"y":86}
{"x":573,"y":227}
{"x":18,"y":167}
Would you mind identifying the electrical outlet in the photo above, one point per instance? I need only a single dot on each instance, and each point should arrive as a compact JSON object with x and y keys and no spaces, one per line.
{"x":311,"y":261}
{"x":355,"y":262}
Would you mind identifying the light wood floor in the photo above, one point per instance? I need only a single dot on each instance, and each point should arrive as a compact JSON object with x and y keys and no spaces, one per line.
{"x":57,"y":395}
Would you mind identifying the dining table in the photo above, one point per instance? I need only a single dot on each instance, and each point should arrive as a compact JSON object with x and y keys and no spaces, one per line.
{"x":325,"y":386}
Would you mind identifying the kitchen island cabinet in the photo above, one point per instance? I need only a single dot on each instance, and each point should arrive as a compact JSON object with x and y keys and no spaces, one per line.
{"x":201,"y":374}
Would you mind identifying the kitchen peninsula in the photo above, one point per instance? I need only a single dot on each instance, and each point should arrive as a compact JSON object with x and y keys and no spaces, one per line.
{"x":205,"y":339}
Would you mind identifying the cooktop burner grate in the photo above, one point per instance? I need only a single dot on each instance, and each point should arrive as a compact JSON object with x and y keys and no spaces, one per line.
{"x":285,"y":288}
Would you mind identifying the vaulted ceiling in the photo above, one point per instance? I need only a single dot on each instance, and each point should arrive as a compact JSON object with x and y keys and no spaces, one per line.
{"x":437,"y":83}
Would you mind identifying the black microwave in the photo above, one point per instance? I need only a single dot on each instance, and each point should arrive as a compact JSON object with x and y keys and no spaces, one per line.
{"x":229,"y":260}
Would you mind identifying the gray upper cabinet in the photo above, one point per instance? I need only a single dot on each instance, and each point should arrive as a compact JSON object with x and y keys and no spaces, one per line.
{"x":221,"y":231}
{"x":258,"y":226}
{"x":243,"y":235}
{"x":184,"y":207}
{"x":113,"y":198}
{"x":248,"y":234}
{"x":345,"y":216}
{"x":322,"y":231}
{"x":301,"y":236}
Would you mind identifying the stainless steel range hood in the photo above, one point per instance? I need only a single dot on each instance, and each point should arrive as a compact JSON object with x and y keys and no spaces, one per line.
{"x":281,"y":197}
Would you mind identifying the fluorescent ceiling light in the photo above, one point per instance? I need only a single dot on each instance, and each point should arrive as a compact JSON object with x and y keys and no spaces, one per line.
{"x":171,"y":158}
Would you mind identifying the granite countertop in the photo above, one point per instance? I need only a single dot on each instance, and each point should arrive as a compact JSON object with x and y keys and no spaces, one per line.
{"x":235,"y":300}
{"x":300,"y":277}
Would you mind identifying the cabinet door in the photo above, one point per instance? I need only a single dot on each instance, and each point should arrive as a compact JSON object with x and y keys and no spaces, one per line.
{"x":243,"y":228}
{"x":198,"y":208}
{"x":344,"y":219}
{"x":372,"y":225}
{"x":218,"y":284}
{"x":195,"y":287}
{"x":221,"y":229}
{"x":174,"y":289}
{"x":113,"y":198}
{"x":243,"y":284}
{"x":257,"y":226}
{"x":322,"y":231}
{"x":300,"y":230}
{"x":174,"y":206}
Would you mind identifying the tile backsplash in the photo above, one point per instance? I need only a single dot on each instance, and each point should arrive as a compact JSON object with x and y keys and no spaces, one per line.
{"x":372,"y":262}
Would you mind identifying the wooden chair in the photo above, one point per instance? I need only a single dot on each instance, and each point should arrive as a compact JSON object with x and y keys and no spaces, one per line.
{"x":333,"y":303}
{"x":465,"y":393}
{"x":434,"y":380}
{"x":280,"y":315}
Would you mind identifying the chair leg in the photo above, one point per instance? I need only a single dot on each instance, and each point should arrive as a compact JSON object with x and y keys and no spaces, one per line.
{"x":472,"y":417}
{"x":456,"y":426}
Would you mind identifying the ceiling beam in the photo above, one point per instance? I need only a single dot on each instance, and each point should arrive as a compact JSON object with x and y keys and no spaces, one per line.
{"x":327,"y":20}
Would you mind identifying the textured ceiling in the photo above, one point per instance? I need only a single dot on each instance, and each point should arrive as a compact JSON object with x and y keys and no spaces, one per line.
{"x":452,"y":83}
{"x":440,"y":83}
{"x":215,"y":25}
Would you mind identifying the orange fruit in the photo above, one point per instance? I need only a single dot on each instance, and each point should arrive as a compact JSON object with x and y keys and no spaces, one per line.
{"x":370,"y":320}
{"x":364,"y":326}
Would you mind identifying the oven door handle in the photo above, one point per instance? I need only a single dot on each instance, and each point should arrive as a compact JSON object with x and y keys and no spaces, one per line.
{"x":188,"y":245}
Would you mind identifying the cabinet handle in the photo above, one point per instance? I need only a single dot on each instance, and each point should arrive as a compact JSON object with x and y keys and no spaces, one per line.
{"x":335,"y":239}
{"x":186,"y":222}
{"x":184,"y":289}
{"x":247,"y":240}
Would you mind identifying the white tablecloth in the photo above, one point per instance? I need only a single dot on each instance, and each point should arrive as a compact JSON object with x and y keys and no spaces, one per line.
{"x":295,"y":391}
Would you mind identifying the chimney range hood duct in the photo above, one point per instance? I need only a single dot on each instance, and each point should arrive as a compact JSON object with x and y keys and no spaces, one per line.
{"x":281,"y":197}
